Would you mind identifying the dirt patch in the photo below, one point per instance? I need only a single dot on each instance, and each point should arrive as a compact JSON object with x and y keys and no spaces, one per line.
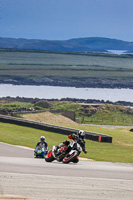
{"x":14,"y":197}
{"x":50,"y":118}
{"x":129,"y":145}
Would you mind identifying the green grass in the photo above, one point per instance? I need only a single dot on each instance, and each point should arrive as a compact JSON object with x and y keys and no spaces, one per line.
{"x":16,"y":104}
{"x":108,"y":114}
{"x":36,"y":71}
{"x":65,"y":67}
{"x":25,"y":136}
{"x":66,"y":106}
{"x":121,"y":150}
{"x":117,"y":118}
{"x":43,"y":59}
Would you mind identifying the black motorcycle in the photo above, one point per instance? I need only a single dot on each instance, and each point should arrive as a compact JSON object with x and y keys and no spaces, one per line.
{"x":62,"y":154}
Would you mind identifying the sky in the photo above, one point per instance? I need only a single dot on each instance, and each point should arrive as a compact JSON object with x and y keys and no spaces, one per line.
{"x":66,"y":19}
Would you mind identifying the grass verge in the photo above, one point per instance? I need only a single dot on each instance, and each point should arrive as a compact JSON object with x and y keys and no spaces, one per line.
{"x":121,"y":150}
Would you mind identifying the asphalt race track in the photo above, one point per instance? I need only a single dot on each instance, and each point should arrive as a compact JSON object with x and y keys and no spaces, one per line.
{"x":24,"y":177}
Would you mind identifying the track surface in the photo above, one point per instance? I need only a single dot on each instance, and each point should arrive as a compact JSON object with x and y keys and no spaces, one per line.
{"x":24,"y":176}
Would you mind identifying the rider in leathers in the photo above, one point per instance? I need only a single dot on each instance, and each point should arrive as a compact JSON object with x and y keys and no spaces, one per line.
{"x":79,"y":138}
{"x":42,"y":144}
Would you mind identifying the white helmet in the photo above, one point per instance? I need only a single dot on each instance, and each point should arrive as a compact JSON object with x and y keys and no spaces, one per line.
{"x":81,"y":134}
{"x":42,"y":139}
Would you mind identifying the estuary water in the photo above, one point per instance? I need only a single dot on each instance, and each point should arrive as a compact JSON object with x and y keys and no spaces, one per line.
{"x":54,"y":92}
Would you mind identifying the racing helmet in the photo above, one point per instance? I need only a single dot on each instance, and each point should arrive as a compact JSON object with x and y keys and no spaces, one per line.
{"x":42,"y":139}
{"x":81,"y":134}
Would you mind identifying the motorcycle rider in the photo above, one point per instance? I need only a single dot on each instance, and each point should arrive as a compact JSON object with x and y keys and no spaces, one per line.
{"x":79,"y":138}
{"x":42,"y":144}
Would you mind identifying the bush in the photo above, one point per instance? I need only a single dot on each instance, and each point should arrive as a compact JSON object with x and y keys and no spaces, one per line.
{"x":43,"y":104}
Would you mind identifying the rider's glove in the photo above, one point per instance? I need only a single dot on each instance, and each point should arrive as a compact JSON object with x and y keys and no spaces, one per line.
{"x":73,"y":135}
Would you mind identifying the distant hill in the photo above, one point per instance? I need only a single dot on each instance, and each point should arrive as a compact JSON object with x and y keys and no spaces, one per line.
{"x":89,"y":44}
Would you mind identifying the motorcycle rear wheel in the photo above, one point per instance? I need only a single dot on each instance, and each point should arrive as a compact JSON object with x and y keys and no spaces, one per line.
{"x":49,"y":157}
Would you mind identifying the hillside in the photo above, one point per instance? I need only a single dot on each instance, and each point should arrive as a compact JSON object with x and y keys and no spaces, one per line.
{"x":88,"y":44}
{"x":85,"y":113}
{"x":39,"y":67}
{"x":49,"y":118}
{"x":103,"y":114}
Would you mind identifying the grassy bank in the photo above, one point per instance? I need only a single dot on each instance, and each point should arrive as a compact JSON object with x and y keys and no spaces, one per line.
{"x":84,"y":70}
{"x":121,"y":150}
{"x":85,"y":114}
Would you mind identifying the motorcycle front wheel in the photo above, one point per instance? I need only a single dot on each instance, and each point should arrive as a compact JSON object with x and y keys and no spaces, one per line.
{"x":71,"y":158}
{"x":49,"y":157}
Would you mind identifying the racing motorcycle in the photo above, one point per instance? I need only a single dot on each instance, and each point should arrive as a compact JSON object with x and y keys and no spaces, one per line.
{"x":62,"y":155}
{"x":40,"y":153}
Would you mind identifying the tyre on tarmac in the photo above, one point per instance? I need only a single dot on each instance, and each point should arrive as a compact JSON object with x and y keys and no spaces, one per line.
{"x":49,"y":157}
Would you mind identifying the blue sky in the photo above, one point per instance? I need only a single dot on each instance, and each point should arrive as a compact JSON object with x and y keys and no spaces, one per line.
{"x":65,"y":19}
